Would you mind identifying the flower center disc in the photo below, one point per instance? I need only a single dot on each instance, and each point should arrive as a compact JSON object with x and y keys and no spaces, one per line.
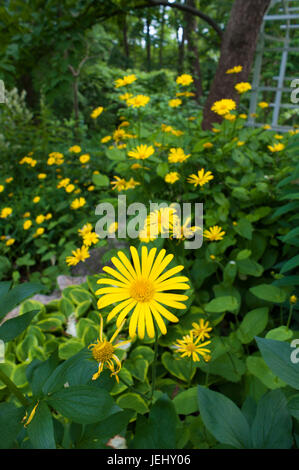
{"x":142,"y":290}
{"x":103,"y":351}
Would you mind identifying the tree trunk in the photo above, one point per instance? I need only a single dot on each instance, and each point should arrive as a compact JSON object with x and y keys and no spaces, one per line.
{"x":125,"y":37}
{"x":181,"y":51}
{"x":238,"y":48}
{"x":148,"y":44}
{"x":161,"y":38}
{"x":193,"y":54}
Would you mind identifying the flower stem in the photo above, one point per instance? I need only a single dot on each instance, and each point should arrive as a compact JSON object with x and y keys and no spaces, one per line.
{"x":290,"y":316}
{"x":191,"y":369}
{"x":12,"y":387}
{"x":154,"y":365}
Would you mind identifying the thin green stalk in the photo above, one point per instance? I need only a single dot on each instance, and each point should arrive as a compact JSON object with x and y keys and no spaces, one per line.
{"x":191,"y":369}
{"x":290,"y":316}
{"x":154,"y":365}
{"x":13,"y":388}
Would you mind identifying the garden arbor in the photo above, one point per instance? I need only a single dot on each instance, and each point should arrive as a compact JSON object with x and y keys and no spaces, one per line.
{"x":278,"y":47}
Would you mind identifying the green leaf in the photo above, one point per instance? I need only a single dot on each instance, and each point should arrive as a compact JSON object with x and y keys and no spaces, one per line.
{"x":71,"y":347}
{"x":244,"y":228}
{"x":14,"y":327}
{"x":115,"y":154}
{"x":186,"y":402}
{"x":16,"y":295}
{"x":269,"y":293}
{"x":293,"y":406}
{"x":252,"y":324}
{"x":41,"y":429}
{"x":132,"y":401}
{"x":282,"y":333}
{"x":250,"y":267}
{"x":177,"y":366}
{"x":290,"y":264}
{"x":258,"y":368}
{"x":102,"y":181}
{"x":277,"y":355}
{"x":159,"y":430}
{"x":223,"y":419}
{"x":10,"y":424}
{"x":272,"y":425}
{"x":226,"y":303}
{"x":82,"y":404}
{"x":138,"y":368}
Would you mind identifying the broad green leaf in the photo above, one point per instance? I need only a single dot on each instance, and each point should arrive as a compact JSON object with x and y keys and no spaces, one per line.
{"x":278,"y":355}
{"x":222,"y":304}
{"x":132,"y":401}
{"x":269,"y":293}
{"x":290,"y":264}
{"x":12,"y":328}
{"x":16,"y":295}
{"x":223,"y":419}
{"x":71,"y":347}
{"x":250,"y":267}
{"x":41,"y":430}
{"x":82,"y":403}
{"x":257,"y":367}
{"x":293,"y":406}
{"x":253,"y":324}
{"x":272,"y":426}
{"x":186,"y":402}
{"x":10,"y":424}
{"x":282,"y":333}
{"x":177,"y":366}
{"x":101,"y":181}
{"x":244,"y":228}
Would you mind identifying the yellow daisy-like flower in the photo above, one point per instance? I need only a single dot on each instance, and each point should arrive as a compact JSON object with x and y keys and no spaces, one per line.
{"x":208,"y":145}
{"x":113,"y":227}
{"x":75,"y":149}
{"x":184,"y":79}
{"x":138,"y":101}
{"x":177,"y":155}
{"x":243,"y":116}
{"x":278,"y":136}
{"x":87,"y":228}
{"x":127,"y":80}
{"x":140,"y":286}
{"x":185,"y":231}
{"x":9,"y":180}
{"x":131,"y":184}
{"x":263,"y":104}
{"x":39,"y":231}
{"x":267,"y":127}
{"x":10,"y":241}
{"x":175,"y":103}
{"x":240,"y":143}
{"x":172,"y":177}
{"x":276,"y":147}
{"x":242,"y":87}
{"x":40,"y":219}
{"x":190,"y":347}
{"x":293,"y":299}
{"x":119,"y":183}
{"x":96,"y":112}
{"x":223,"y":107}
{"x":27,"y":214}
{"x":136,"y":166}
{"x":159,"y":222}
{"x":119,"y":134}
{"x":5,"y":212}
{"x":103,"y":352}
{"x":81,"y":254}
{"x":90,"y":238}
{"x":230,"y":117}
{"x":48,"y":216}
{"x":125,"y":96}
{"x":141,"y":152}
{"x":63,"y":183}
{"x":36,"y":199}
{"x":201,"y":178}
{"x":70,"y":188}
{"x":106,"y":139}
{"x":1,"y":188}
{"x":236,"y":69}
{"x":201,"y":330}
{"x":84,"y":158}
{"x":214,"y":233}
{"x":77,"y":203}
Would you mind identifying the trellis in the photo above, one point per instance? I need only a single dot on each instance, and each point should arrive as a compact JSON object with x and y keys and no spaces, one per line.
{"x":285,"y":14}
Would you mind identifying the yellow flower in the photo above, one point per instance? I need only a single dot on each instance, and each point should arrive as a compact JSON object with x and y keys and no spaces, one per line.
{"x":185,"y":231}
{"x":136,"y":166}
{"x":214,"y":233}
{"x":119,"y":183}
{"x":276,"y":147}
{"x":113,"y":227}
{"x":214,"y":129}
{"x":106,"y":139}
{"x":70,"y":188}
{"x":263,"y":104}
{"x":127,"y":80}
{"x":201,"y":330}
{"x":223,"y":107}
{"x":172,"y":177}
{"x":87,"y":228}
{"x":184,"y":79}
{"x":48,"y":216}
{"x":75,"y":149}
{"x":91,"y":188}
{"x":201,"y":178}
{"x":81,"y":254}
{"x":243,"y":116}
{"x":240,"y":143}
{"x":40,"y":219}
{"x":124,"y":124}
{"x":212,"y":257}
{"x":267,"y":127}
{"x":84,"y":158}
{"x":242,"y":87}
{"x":39,"y":231}
{"x":230,"y":117}
{"x":103,"y":353}
{"x":5,"y":212}
{"x":142,"y":287}
{"x":42,"y":176}
{"x":63,"y":183}
{"x":125,"y":96}
{"x":208,"y":145}
{"x":159,"y":222}
{"x":27,"y":214}
{"x":293,"y":299}
{"x":96,"y":112}
{"x":27,"y":224}
{"x":177,"y":155}
{"x":119,"y":134}
{"x":138,"y":101}
{"x":77,"y":203}
{"x":278,"y":136}
{"x":175,"y":103}
{"x":188,"y":346}
{"x":141,"y":152}
{"x":9,"y":180}
{"x":30,"y":417}
{"x":236,"y":69}
{"x":1,"y":188}
{"x":131,"y":184}
{"x":90,"y":238}
{"x":10,"y":241}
